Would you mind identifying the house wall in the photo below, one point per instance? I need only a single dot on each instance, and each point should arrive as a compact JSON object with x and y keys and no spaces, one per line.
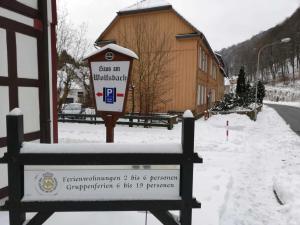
{"x":184,"y":59}
{"x":207,"y":83}
{"x":182,"y":64}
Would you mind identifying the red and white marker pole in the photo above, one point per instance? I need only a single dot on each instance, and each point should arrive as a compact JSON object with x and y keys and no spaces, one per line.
{"x":227,"y":130}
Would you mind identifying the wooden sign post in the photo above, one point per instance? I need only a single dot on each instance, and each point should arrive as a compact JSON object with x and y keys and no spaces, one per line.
{"x":111,"y":68}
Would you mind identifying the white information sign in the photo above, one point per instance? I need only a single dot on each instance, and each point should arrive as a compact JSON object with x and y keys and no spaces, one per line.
{"x":110,"y":80}
{"x":71,"y":183}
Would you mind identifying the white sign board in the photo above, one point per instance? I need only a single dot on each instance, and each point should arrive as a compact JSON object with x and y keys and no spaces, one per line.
{"x":110,"y":80}
{"x":75,"y":183}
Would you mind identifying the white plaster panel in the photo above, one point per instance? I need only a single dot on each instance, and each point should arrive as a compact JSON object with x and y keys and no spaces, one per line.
{"x":3,"y":53}
{"x":4,"y":109}
{"x":3,"y":170}
{"x":16,"y":17}
{"x":2,"y":151}
{"x":3,"y":176}
{"x":29,"y":105}
{"x":27,"y":56}
{"x":30,"y":3}
{"x":50,"y":13}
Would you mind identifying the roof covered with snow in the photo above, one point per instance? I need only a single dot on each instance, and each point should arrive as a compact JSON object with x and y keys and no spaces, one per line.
{"x":116,"y":48}
{"x":154,"y":5}
{"x":226,"y":81}
{"x":146,"y":4}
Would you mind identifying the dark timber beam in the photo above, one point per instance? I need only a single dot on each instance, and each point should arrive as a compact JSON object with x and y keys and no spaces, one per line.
{"x":105,"y":159}
{"x":165,"y":217}
{"x":75,"y":206}
{"x":40,"y":218}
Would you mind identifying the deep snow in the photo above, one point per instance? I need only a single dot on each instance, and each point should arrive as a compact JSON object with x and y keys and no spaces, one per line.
{"x":235,"y":182}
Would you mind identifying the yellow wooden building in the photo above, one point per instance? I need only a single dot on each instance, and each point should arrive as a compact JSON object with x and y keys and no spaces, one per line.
{"x":187,"y":74}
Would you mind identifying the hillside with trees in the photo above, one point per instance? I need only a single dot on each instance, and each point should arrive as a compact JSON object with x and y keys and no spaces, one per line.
{"x":280,"y":62}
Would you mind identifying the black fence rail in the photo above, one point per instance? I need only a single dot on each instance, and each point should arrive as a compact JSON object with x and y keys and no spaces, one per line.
{"x":155,"y":120}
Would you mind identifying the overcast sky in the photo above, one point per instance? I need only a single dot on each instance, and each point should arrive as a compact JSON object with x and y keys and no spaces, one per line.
{"x":224,"y":22}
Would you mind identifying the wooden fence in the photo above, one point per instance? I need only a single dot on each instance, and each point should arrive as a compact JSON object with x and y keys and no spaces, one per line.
{"x":18,"y":160}
{"x":131,"y":120}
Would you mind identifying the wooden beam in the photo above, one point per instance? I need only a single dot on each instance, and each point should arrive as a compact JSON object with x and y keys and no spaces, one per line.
{"x":75,"y":206}
{"x":165,"y":217}
{"x":104,"y":159}
{"x":40,"y":218}
{"x":20,"y":8}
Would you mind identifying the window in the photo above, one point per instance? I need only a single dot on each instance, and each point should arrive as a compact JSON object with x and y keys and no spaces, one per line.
{"x":204,"y":95}
{"x":200,"y":58}
{"x":213,"y":95}
{"x":201,"y":95}
{"x":203,"y":60}
{"x":198,"y":95}
{"x":214,"y":71}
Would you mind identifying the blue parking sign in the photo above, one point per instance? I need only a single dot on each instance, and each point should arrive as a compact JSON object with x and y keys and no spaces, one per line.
{"x":109,"y":95}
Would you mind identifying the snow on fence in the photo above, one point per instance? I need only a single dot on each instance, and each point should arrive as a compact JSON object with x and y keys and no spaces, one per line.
{"x":250,"y":113}
{"x":48,"y":178}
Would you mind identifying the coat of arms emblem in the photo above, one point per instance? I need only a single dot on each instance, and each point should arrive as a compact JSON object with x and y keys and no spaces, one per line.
{"x":47,"y":182}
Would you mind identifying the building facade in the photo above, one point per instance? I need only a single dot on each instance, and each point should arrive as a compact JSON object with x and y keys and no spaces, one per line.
{"x":28,"y":71}
{"x":192,"y":77}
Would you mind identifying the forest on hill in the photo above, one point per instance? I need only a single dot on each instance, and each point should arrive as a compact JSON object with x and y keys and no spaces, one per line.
{"x":280,"y":61}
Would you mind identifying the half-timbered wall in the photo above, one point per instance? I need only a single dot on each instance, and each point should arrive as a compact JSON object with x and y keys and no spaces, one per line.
{"x":26,"y":69}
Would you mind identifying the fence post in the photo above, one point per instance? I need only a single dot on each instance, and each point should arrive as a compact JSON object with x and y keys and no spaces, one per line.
{"x":170,"y":123}
{"x":15,"y":137}
{"x":186,"y":168}
{"x":130,"y":121}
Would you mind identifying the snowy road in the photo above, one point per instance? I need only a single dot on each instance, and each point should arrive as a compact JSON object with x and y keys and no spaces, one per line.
{"x":235,"y":183}
{"x":290,"y":114}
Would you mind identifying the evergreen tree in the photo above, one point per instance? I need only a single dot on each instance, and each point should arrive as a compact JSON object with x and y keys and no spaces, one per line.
{"x":241,"y":84}
{"x":261,"y":92}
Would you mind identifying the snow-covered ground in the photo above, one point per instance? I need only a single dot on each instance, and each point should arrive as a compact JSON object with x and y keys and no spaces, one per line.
{"x":284,"y":92}
{"x":235,"y":182}
{"x":295,"y":104}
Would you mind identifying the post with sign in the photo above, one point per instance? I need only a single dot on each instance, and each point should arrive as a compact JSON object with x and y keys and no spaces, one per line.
{"x":111,"y":68}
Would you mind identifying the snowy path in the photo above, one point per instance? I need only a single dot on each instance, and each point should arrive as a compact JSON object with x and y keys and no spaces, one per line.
{"x":252,"y":201}
{"x":235,"y":182}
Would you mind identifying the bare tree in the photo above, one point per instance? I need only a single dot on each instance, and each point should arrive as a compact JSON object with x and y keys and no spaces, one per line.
{"x":151,"y":73}
{"x":71,"y":48}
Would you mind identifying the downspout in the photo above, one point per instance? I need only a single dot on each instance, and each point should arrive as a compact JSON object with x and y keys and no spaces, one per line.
{"x":54,"y":70}
{"x":45,"y":122}
{"x":197,"y":77}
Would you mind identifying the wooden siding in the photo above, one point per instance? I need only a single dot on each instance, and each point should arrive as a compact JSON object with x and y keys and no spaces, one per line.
{"x":206,"y":80}
{"x":183,"y":54}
